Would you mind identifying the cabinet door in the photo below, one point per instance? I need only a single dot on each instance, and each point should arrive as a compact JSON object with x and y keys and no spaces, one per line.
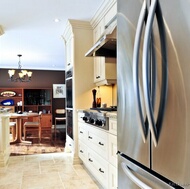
{"x":46,"y":120}
{"x":69,"y":53}
{"x":99,"y":62}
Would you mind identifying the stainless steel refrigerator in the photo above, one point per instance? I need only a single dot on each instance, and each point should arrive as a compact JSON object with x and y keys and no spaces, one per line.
{"x":153,"y":68}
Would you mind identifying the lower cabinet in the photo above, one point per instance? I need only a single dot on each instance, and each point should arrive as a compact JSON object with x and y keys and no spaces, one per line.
{"x":46,"y":120}
{"x":97,"y":150}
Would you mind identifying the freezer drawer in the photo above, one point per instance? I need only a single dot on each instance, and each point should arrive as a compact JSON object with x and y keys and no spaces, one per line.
{"x":132,"y":176}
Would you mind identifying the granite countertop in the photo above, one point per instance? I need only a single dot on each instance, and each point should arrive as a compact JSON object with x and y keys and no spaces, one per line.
{"x":112,"y":114}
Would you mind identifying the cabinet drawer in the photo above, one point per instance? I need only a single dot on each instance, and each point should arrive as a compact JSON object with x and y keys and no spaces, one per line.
{"x":82,"y":134}
{"x":82,"y":151}
{"x":99,"y":167}
{"x":98,"y":141}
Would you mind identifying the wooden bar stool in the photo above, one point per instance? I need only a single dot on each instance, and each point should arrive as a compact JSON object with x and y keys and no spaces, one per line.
{"x":60,"y":116}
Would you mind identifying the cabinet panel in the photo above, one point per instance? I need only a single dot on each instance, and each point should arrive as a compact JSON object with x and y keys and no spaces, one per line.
{"x":113,"y":150}
{"x":113,"y":126}
{"x":113,"y":183}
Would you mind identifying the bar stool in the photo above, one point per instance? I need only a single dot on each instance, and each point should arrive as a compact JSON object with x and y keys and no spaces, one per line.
{"x":60,"y":116}
{"x":33,"y":126}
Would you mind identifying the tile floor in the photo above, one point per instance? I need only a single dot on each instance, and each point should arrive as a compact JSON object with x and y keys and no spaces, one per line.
{"x":45,"y":171}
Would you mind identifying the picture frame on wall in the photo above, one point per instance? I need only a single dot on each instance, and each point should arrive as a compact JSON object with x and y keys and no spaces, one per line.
{"x":59,"y":91}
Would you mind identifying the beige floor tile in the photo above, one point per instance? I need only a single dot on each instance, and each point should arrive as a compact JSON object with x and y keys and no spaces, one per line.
{"x":10,"y":186}
{"x":45,"y":171}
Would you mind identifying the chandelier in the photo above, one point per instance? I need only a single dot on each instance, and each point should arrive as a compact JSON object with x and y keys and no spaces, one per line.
{"x":23,"y":75}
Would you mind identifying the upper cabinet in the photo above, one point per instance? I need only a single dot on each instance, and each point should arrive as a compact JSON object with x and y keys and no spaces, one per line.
{"x":104,"y":68}
{"x":69,"y":52}
{"x":99,"y":62}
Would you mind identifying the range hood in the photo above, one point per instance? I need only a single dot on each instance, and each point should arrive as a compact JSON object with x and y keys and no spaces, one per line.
{"x":106,"y":45}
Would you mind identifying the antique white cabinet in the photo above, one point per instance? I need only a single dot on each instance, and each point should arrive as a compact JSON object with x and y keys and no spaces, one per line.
{"x":4,"y":138}
{"x":104,"y":68}
{"x":78,"y":37}
{"x":97,"y":150}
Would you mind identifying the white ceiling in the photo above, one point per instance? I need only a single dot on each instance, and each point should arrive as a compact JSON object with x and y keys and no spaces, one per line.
{"x":30,"y":30}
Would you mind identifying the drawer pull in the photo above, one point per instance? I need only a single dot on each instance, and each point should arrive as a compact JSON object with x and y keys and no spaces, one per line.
{"x":81,"y":151}
{"x":90,"y":137}
{"x":90,"y":160}
{"x":101,"y":170}
{"x":81,"y":132}
{"x":102,"y":144}
{"x":97,"y":77}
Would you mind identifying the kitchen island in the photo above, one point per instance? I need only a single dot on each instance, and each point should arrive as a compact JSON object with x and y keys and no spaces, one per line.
{"x":4,"y":136}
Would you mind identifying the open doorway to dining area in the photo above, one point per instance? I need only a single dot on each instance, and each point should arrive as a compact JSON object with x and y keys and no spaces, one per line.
{"x":45,"y":145}
{"x":34,"y":136}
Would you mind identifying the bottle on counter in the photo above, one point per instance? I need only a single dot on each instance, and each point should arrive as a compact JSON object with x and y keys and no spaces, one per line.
{"x":94,"y":98}
{"x":98,"y":99}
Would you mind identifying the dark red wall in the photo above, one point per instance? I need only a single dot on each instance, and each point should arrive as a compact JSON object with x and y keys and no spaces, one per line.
{"x":40,"y":79}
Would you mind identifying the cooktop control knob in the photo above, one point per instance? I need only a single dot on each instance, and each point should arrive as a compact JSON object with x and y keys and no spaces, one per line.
{"x":99,"y":122}
{"x":85,"y":119}
{"x":91,"y":120}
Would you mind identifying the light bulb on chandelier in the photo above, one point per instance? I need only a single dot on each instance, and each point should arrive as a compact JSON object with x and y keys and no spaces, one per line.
{"x":23,"y":75}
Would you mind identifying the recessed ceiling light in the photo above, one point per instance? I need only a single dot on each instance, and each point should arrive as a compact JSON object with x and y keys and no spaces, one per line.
{"x":57,"y":20}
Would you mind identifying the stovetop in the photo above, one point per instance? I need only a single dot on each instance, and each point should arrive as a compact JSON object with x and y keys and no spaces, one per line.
{"x":109,"y":109}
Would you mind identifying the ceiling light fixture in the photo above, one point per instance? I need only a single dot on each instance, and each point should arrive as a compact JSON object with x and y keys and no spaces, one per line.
{"x":24,"y":75}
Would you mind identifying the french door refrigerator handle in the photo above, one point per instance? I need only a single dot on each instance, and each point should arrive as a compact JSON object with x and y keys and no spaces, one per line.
{"x":164,"y":84}
{"x":146,"y":88}
{"x":144,"y":129}
{"x":137,"y":181}
{"x":155,"y":126}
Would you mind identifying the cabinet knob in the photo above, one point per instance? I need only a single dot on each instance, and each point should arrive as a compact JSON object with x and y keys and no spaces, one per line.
{"x":97,"y":77}
{"x":90,"y":160}
{"x":101,"y":170}
{"x":102,"y":144}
